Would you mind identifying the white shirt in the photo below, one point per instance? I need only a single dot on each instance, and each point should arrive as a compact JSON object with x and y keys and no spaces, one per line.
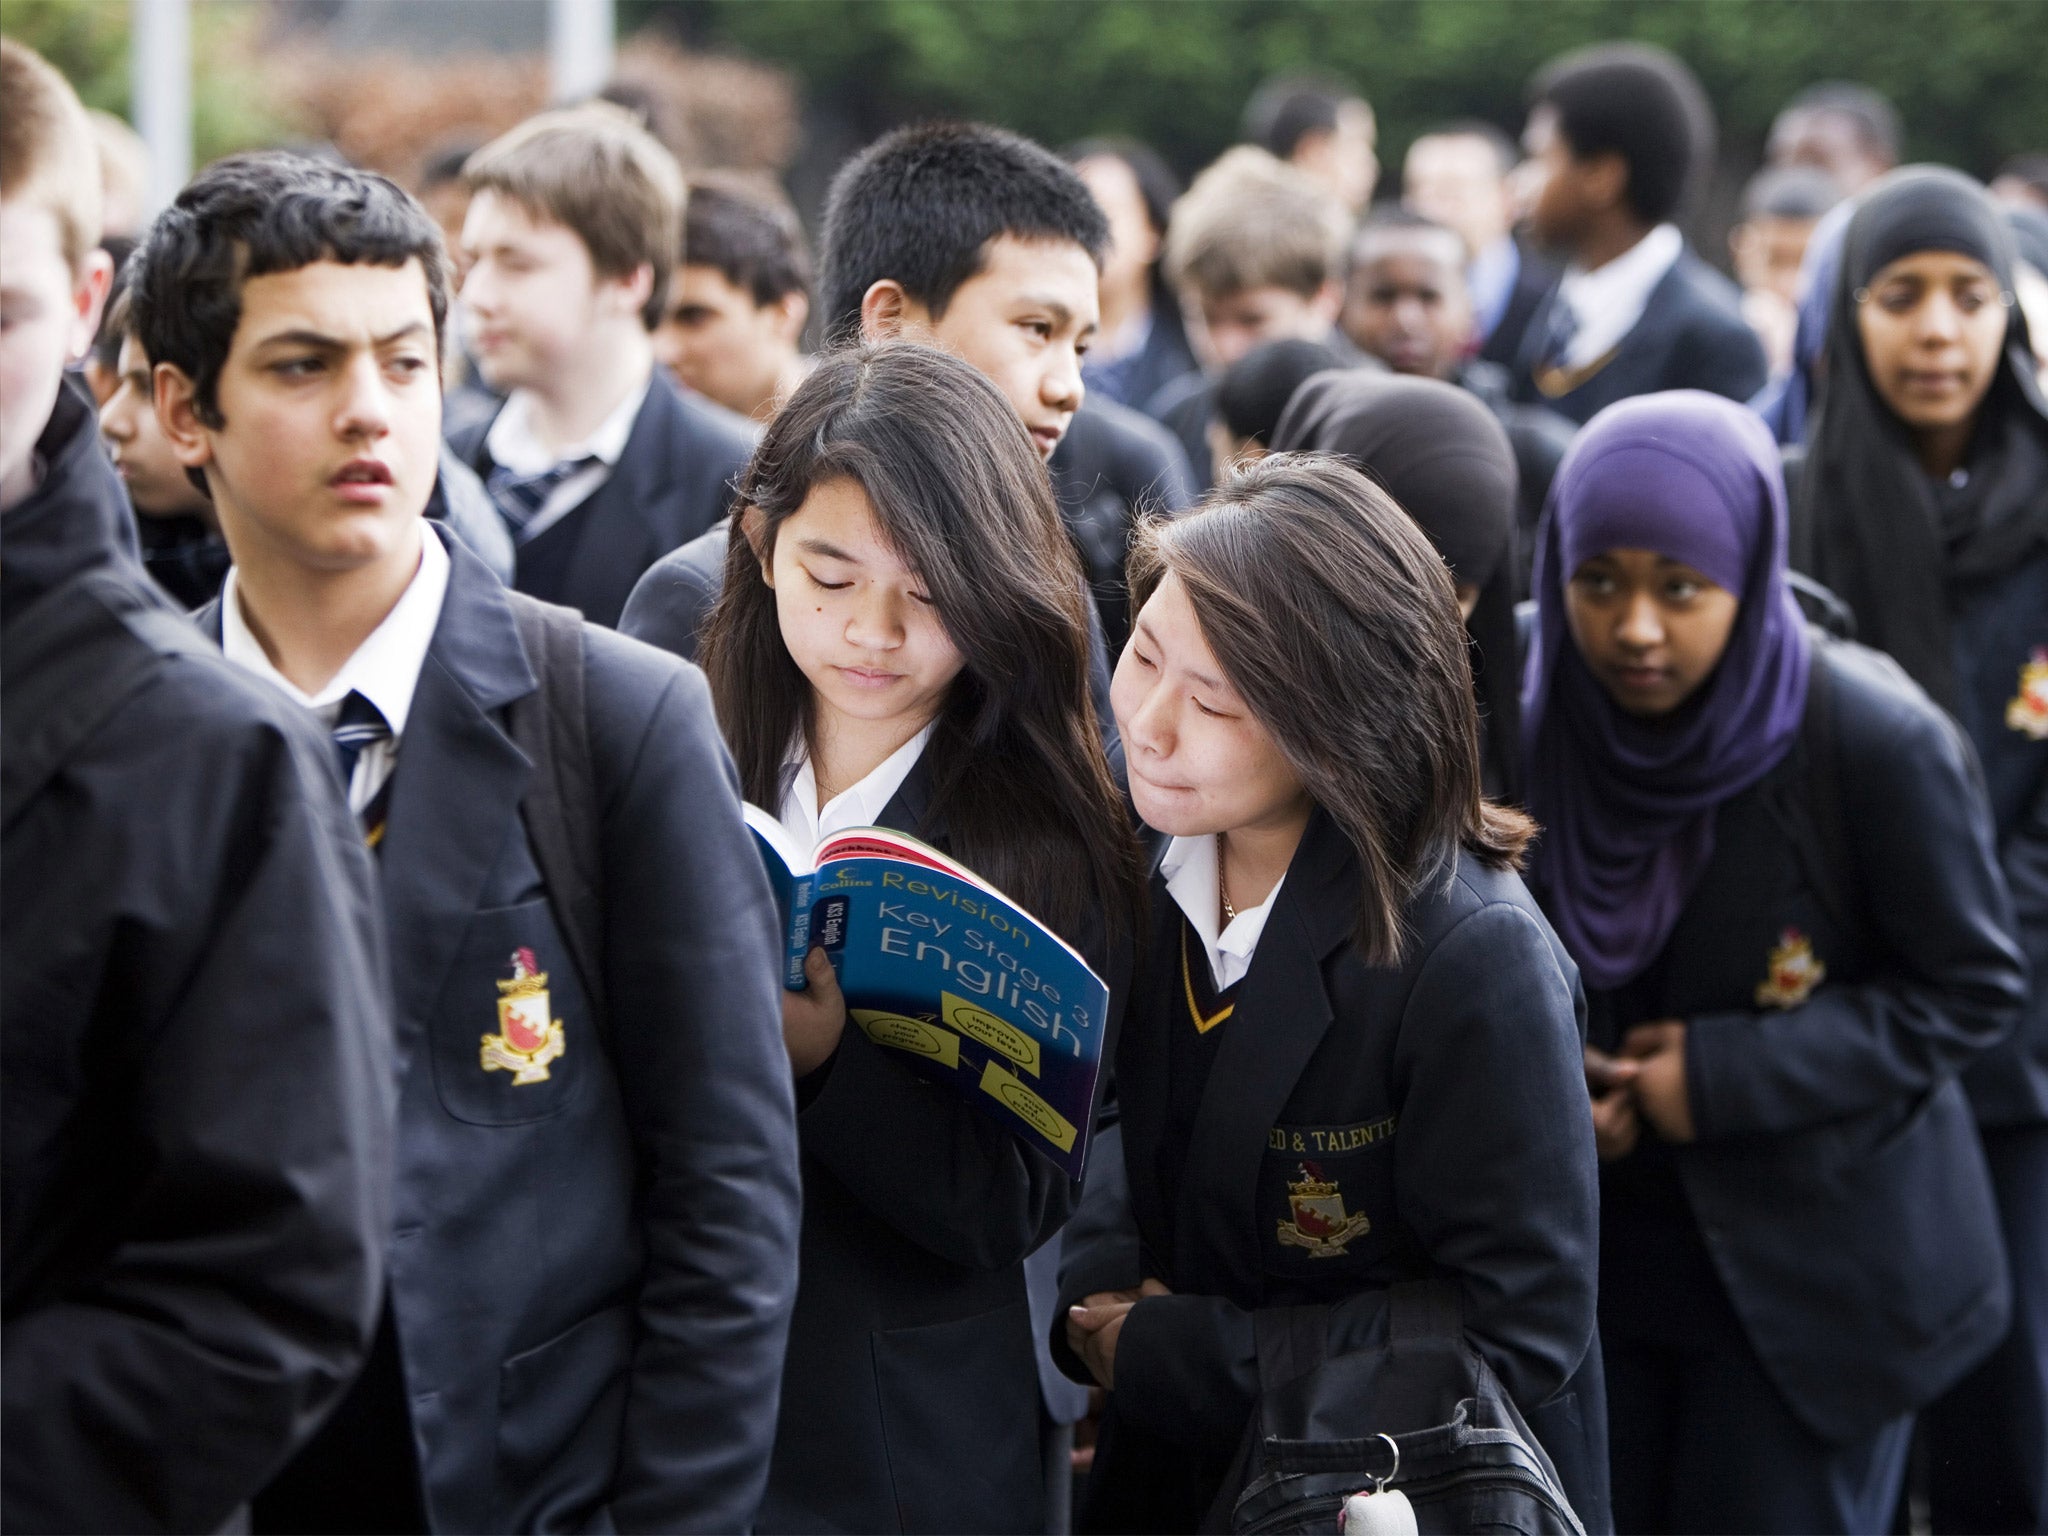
{"x":860,"y":806}
{"x":385,"y":668}
{"x":513,"y":443}
{"x":1190,"y":869}
{"x":1608,"y":301}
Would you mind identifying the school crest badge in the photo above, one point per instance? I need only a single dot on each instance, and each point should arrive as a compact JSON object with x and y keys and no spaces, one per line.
{"x":1319,"y":1221}
{"x":1792,"y":972}
{"x":527,"y":1039}
{"x":2028,"y":711}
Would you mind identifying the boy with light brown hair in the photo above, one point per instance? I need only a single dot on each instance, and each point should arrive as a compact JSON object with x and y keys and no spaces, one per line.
{"x":597,"y":462}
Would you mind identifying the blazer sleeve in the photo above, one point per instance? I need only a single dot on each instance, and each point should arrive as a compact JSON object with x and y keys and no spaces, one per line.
{"x":1100,"y":1249}
{"x":1949,"y":982}
{"x":1725,"y":357}
{"x":244,"y":1279}
{"x":670,"y":602}
{"x":1495,"y":1174}
{"x":696,"y":1024}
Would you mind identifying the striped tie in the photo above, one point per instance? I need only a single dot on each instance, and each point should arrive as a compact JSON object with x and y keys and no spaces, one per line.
{"x":359,"y":725}
{"x":519,"y":498}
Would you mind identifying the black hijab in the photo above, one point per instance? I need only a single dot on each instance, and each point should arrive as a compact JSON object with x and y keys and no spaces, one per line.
{"x":1870,"y":523}
{"x":1441,"y":454}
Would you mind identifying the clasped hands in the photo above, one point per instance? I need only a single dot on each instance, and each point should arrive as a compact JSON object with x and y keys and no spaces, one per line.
{"x":1096,"y":1324}
{"x":1644,"y":1081}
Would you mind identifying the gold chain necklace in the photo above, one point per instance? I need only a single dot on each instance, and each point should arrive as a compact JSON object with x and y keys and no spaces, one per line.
{"x":1222,"y":890}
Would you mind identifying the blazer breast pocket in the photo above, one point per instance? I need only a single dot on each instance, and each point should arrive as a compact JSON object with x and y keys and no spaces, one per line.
{"x":1326,"y":1196}
{"x":512,"y":1035}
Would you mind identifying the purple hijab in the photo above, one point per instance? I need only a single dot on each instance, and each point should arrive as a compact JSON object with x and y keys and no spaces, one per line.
{"x":1627,"y":805}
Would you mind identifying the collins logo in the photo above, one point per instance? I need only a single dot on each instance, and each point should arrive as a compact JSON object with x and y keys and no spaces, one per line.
{"x":2028,"y":711}
{"x":1792,"y":974}
{"x":1319,"y":1223}
{"x":527,"y":1040}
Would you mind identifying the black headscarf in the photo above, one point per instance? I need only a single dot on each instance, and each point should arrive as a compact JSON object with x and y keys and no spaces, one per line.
{"x":1441,"y":454}
{"x":1869,"y":522}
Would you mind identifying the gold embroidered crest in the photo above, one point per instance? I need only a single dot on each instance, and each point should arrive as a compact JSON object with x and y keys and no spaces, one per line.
{"x":1319,"y":1222}
{"x":1792,"y":972}
{"x":2028,"y":711}
{"x":527,"y":1040}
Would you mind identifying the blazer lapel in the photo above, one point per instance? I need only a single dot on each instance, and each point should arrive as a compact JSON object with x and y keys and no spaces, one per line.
{"x":456,"y":791}
{"x":1283,"y":1012}
{"x":622,"y":519}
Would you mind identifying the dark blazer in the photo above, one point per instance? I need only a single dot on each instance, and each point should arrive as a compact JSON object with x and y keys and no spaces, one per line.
{"x":673,"y":481}
{"x":1112,"y":468}
{"x":910,"y":1402}
{"x":1165,"y":356}
{"x":1534,"y":278}
{"x":1836,"y":1183}
{"x":591,"y":1275}
{"x":671,"y":602}
{"x":1691,"y":336}
{"x":1444,"y":1096}
{"x":195,"y":1045}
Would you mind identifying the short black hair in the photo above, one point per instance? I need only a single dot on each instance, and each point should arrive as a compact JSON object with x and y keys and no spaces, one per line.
{"x":920,"y":206}
{"x":1790,"y":192}
{"x":255,"y":214}
{"x":1505,"y":152}
{"x":755,"y":243}
{"x":445,"y":161}
{"x":1254,"y":391}
{"x":1868,"y":111}
{"x":1392,"y":216}
{"x":1641,"y":103}
{"x":1288,"y":108}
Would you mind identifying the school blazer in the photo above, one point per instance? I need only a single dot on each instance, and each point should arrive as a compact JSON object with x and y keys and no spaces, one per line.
{"x":673,"y":481}
{"x":590,"y":1271}
{"x":1113,"y":468}
{"x":1441,"y":1099}
{"x":1691,"y":336}
{"x":1837,"y":1181}
{"x":1534,"y":278}
{"x":910,"y":1402}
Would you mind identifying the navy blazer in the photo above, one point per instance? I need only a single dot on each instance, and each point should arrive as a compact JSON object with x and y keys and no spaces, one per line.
{"x":591,"y":1274}
{"x":1836,"y":1183}
{"x":1691,"y":336}
{"x":911,"y":1397}
{"x":1445,"y":1099}
{"x":673,"y":481}
{"x":1534,"y":278}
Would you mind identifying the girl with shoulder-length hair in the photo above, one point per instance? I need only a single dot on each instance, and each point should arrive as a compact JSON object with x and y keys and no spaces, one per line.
{"x":1348,"y":998}
{"x":901,"y":640}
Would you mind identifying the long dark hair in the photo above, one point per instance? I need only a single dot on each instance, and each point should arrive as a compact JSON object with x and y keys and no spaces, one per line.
{"x":1018,"y":776}
{"x":1335,"y":620}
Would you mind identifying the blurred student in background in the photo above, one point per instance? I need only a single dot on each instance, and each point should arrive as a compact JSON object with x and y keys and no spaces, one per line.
{"x":1780,"y":209}
{"x":733,"y":326}
{"x":1847,"y":132}
{"x":1143,"y":344}
{"x":1321,"y":125}
{"x":1253,"y":393}
{"x":1616,"y":136}
{"x":1461,"y":175}
{"x":598,"y":464}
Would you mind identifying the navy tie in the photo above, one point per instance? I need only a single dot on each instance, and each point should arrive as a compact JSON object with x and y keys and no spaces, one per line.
{"x":519,"y":498}
{"x":359,"y":725}
{"x":1558,"y":334}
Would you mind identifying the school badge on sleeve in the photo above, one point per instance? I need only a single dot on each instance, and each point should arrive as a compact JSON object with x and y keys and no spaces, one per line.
{"x":1792,"y":972}
{"x":527,"y":1040}
{"x":2028,"y":711}
{"x":1319,"y":1222}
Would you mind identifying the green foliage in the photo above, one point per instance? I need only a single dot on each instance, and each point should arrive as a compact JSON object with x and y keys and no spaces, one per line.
{"x":1969,"y":76}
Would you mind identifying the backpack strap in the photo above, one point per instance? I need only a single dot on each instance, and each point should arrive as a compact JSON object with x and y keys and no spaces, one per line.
{"x":563,"y":826}
{"x":1419,"y":1310}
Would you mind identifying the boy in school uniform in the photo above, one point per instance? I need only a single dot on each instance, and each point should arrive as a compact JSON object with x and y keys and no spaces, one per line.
{"x":194,"y":1026}
{"x":1614,"y":137}
{"x":597,"y":462}
{"x":594,"y":1222}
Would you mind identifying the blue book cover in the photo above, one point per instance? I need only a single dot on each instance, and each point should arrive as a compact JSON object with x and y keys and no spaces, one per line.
{"x":942,"y":968}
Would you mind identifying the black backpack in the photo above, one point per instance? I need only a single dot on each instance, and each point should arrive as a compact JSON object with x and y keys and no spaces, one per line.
{"x":1424,"y":1414}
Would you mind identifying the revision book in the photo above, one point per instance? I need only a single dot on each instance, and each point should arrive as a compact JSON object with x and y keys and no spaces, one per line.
{"x":949,"y":973}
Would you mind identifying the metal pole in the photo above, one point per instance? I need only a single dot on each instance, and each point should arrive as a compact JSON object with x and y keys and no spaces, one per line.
{"x":580,"y":39}
{"x":160,"y":68}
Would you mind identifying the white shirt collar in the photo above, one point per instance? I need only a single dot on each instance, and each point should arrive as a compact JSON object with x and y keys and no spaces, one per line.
{"x":514,"y":444}
{"x":385,"y":668}
{"x":859,"y":806}
{"x":1609,"y":300}
{"x":1189,"y":865}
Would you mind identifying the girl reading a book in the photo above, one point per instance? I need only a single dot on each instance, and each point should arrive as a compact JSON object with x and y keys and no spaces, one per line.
{"x":901,"y":640}
{"x":1354,"y":1058}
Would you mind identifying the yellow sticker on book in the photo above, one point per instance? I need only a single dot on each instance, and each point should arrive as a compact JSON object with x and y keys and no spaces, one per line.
{"x":997,"y":1034}
{"x":1028,"y":1106}
{"x":901,"y":1033}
